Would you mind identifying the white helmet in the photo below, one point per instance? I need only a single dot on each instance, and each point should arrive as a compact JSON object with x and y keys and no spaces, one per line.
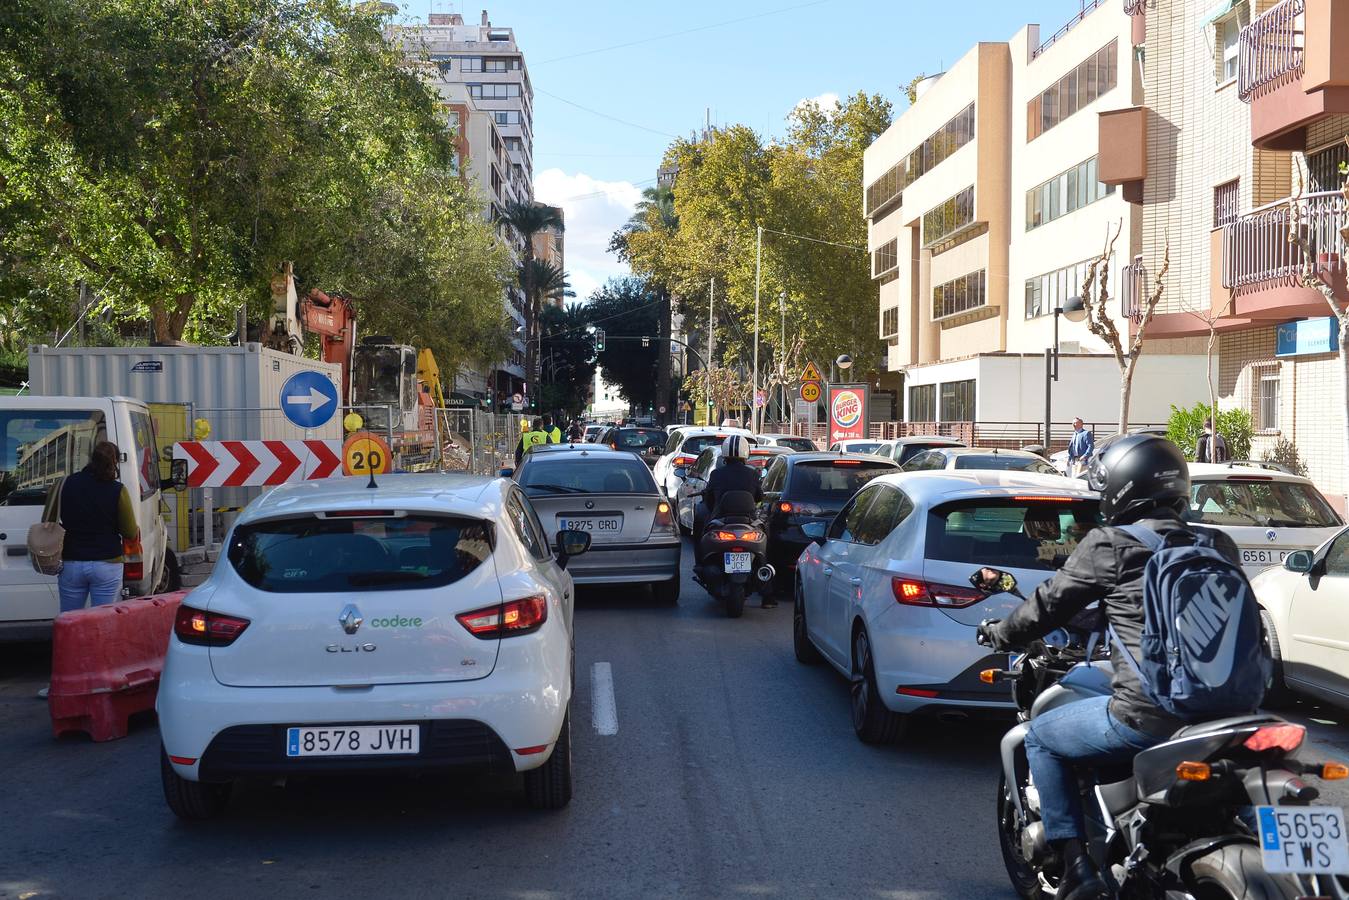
{"x":735,"y":447}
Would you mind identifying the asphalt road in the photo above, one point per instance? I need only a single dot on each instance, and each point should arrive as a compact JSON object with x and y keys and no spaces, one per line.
{"x":721,"y":768}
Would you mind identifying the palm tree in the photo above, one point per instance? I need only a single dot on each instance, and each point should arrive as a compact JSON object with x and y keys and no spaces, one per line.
{"x":529,"y":219}
{"x":656,"y":213}
{"x":544,"y":280}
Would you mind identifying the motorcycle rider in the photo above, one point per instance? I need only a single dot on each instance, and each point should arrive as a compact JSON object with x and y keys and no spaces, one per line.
{"x":734,"y":473}
{"x":1142,"y":479}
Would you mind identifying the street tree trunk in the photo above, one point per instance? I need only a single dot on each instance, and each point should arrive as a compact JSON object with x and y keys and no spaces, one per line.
{"x":663,"y":356}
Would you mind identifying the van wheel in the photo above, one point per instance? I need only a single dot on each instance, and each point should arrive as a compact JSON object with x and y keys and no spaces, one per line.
{"x":549,"y":786}
{"x":191,"y":800}
{"x":1277,"y":694}
{"x":171,"y":578}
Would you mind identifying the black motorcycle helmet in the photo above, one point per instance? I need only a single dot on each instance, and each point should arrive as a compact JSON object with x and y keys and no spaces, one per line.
{"x":1137,"y":474}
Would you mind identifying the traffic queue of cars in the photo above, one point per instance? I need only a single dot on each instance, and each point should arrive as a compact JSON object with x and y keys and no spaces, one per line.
{"x":427,"y":623}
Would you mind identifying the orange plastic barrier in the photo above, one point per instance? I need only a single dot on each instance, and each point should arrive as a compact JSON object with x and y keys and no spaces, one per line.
{"x":106,"y":662}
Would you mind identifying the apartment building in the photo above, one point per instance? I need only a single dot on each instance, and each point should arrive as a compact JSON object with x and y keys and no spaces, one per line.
{"x":985,"y":203}
{"x":550,"y":246}
{"x":1260,"y":92}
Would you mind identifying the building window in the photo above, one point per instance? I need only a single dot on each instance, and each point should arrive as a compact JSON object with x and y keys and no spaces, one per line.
{"x":890,"y":322}
{"x":939,"y":145}
{"x":1267,"y":398}
{"x":957,"y":401}
{"x":1226,"y":203}
{"x":959,"y":295}
{"x":884,"y":258}
{"x":1095,"y":76}
{"x":923,"y":403}
{"x":946,"y":219}
{"x":507,"y":116}
{"x":1228,"y":33}
{"x":470,"y":64}
{"x":1047,"y":292}
{"x":494,"y":91}
{"x":1064,"y":193}
{"x":1323,"y":167}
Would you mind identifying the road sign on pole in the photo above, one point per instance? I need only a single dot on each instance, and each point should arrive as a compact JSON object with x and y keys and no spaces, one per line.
{"x":308,"y":399}
{"x":254,"y":463}
{"x":811,"y":372}
{"x":810,"y":391}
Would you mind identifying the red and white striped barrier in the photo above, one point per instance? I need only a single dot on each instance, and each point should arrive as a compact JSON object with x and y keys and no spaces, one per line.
{"x":252,"y":463}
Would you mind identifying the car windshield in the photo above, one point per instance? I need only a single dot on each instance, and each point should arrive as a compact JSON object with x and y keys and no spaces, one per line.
{"x":616,"y":473}
{"x":799,"y":444}
{"x":1014,"y":533}
{"x":1004,"y":463}
{"x":640,"y":438}
{"x":1256,"y":502}
{"x":397,"y":551}
{"x":861,"y":447}
{"x":700,"y":442}
{"x":831,"y":482}
{"x":42,"y":446}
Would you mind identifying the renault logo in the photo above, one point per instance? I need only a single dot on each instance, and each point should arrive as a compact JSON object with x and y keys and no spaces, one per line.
{"x":350,"y":620}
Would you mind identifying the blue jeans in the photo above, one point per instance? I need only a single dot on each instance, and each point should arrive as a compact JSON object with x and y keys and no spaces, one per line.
{"x":1079,"y":734}
{"x":83,"y":580}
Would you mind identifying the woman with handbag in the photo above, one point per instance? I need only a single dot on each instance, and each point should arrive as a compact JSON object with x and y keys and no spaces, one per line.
{"x":96,"y":511}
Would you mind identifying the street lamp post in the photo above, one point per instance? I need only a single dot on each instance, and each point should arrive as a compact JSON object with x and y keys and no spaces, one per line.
{"x":782,"y":358}
{"x":1072,"y":310}
{"x":754,"y":379}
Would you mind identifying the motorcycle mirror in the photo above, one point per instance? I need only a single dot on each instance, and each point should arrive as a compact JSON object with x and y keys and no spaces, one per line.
{"x":993,"y":581}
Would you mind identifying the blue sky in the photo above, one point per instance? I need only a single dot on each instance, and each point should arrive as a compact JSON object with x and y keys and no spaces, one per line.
{"x":753,"y":71}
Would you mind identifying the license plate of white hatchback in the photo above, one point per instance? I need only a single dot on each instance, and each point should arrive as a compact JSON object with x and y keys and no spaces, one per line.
{"x":739,"y":562}
{"x":353,"y":740}
{"x":1307,"y":840}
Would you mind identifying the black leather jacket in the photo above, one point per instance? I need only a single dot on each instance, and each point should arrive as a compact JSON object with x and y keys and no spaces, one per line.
{"x":1107,"y":566}
{"x":731,"y":476}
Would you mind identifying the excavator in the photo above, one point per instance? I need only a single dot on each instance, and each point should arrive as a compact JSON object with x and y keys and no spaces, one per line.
{"x":380,"y":378}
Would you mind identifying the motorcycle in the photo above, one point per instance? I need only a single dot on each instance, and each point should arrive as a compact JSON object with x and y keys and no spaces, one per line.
{"x":1221,"y":810}
{"x":733,"y":553}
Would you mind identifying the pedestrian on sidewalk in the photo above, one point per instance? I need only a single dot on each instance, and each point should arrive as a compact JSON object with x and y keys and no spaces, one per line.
{"x":1212,"y":448}
{"x":1080,"y":448}
{"x":96,"y":511}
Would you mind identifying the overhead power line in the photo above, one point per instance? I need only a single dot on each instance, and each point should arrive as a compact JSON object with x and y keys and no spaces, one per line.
{"x":603,"y":115}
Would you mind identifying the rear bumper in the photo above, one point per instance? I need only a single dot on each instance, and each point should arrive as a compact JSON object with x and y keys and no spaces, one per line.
{"x":626,"y":563}
{"x":922,"y":650}
{"x":33,"y":630}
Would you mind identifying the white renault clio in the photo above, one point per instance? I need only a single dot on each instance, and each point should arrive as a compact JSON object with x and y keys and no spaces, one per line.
{"x":424,"y":624}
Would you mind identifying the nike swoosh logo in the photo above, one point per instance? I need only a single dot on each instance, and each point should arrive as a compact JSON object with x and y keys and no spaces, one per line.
{"x":1217,"y":669}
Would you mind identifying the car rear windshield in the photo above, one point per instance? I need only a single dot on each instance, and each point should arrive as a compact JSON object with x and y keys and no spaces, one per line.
{"x":861,"y":448}
{"x":831,"y":482}
{"x":310,"y":554}
{"x":700,"y":442}
{"x":640,"y":438}
{"x":1015,"y":533}
{"x":1004,"y":463}
{"x":800,"y":445}
{"x":1266,"y":504}
{"x":615,"y":473}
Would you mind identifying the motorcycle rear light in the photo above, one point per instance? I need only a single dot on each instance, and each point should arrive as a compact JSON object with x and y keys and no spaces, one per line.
{"x":988,"y":676}
{"x":1333,"y":771}
{"x":915,"y":692}
{"x":751,"y":536}
{"x":206,"y":629}
{"x":509,"y":619}
{"x":915,"y":592}
{"x":742,"y":536}
{"x":1286,"y":737}
{"x":1194,"y":771}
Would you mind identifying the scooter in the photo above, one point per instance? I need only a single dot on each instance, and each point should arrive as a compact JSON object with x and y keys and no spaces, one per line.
{"x":1220,"y":810}
{"x":733,"y":553}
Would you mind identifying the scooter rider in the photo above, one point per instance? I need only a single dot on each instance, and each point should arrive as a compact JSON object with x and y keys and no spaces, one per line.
{"x":1142,"y":479}
{"x":733,"y":474}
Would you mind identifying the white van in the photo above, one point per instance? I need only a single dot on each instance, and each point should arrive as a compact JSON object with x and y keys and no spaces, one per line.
{"x":46,"y":438}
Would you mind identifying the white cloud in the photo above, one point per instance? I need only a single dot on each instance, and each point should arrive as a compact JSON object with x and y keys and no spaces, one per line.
{"x":594,"y":210}
{"x":827,"y":101}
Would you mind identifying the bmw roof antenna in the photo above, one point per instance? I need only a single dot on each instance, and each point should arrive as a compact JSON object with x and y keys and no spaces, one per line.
{"x":370,"y":465}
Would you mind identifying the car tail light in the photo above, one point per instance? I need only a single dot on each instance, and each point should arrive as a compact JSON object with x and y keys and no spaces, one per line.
{"x":916,"y":592}
{"x":1284,"y":736}
{"x":514,"y":617}
{"x":664,"y":522}
{"x":797,"y":508}
{"x":207,"y":629}
{"x":133,"y":563}
{"x":847,"y":462}
{"x":682,"y":460}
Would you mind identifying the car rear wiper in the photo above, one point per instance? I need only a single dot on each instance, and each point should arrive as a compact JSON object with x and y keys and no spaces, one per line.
{"x":555,"y":488}
{"x":365,"y":579}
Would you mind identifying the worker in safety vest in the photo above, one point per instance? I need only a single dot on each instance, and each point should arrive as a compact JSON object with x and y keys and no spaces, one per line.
{"x":552,"y":431}
{"x":530,"y":439}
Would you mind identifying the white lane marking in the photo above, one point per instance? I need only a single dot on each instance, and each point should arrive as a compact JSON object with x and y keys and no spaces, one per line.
{"x":603,"y":709}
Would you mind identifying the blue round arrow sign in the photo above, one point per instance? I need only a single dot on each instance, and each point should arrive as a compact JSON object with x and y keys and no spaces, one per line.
{"x":309,"y":399}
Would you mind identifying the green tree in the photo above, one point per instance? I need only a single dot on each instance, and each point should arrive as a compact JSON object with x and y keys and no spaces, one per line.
{"x":653,"y":223}
{"x":628,"y":309}
{"x":568,"y":358}
{"x":1186,"y":425}
{"x":528,"y":219}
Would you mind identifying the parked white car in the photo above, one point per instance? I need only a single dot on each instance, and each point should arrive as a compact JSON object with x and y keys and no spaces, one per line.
{"x":1268,"y":512}
{"x":1304,"y":605}
{"x":901,"y":450}
{"x":424,"y":625}
{"x":791,"y":442}
{"x":884,"y":595}
{"x":859,"y":445}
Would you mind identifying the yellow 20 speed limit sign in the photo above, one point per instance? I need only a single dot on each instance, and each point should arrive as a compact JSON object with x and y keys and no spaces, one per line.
{"x":365,"y":453}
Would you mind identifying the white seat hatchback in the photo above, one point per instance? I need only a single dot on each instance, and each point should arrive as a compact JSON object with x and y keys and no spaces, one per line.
{"x":425,"y":624}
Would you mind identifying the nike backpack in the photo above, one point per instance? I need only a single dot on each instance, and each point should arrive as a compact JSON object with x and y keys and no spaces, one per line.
{"x":1203,"y":653}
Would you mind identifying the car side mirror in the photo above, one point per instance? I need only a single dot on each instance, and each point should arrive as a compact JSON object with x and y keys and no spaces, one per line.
{"x":993,"y":581}
{"x":178,"y":474}
{"x":571,"y":542}
{"x":506,"y":473}
{"x":815,"y":531}
{"x":1300,"y":561}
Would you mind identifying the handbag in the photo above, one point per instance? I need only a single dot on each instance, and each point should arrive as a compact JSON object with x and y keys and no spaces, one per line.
{"x":46,"y":539}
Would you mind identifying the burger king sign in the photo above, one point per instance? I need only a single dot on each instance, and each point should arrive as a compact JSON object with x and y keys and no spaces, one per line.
{"x":848,"y":411}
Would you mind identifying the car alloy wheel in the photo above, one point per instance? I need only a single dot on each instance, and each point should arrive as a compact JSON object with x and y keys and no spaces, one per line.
{"x":873,"y":722}
{"x":806,"y":652}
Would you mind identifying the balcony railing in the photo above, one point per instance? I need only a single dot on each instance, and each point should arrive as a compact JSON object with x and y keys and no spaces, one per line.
{"x":1256,"y":247}
{"x":1134,"y":7}
{"x":1085,"y":7}
{"x":1272,"y":48}
{"x":1134,"y":279}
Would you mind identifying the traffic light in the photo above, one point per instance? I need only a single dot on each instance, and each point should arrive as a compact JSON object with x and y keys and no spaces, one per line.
{"x":599,"y":340}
